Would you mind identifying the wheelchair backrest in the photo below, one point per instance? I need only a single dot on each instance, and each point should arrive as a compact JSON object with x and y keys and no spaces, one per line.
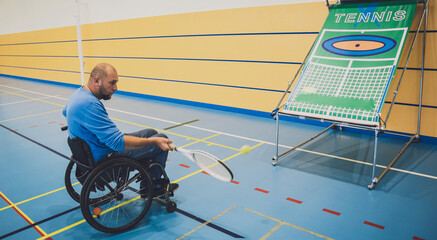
{"x":81,"y":151}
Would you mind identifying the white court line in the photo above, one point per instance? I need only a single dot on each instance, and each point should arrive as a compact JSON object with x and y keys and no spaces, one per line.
{"x":245,"y":138}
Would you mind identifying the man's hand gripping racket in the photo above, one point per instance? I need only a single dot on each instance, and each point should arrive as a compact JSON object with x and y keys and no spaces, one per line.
{"x":209,"y":163}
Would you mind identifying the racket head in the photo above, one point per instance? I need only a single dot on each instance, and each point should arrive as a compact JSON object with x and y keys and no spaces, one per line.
{"x":212,"y":165}
{"x":209,"y":163}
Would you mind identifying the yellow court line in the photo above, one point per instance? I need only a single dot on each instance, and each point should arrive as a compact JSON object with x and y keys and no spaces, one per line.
{"x":180,"y":179}
{"x":179,"y":135}
{"x":289,"y":224}
{"x":224,"y":160}
{"x":201,"y":140}
{"x":23,"y":214}
{"x":33,"y":198}
{"x":273,"y":230}
{"x":62,"y":229}
{"x":56,"y":190}
{"x":36,"y":99}
{"x":32,"y":115}
{"x":160,"y":130}
{"x":207,"y":222}
{"x":83,"y":220}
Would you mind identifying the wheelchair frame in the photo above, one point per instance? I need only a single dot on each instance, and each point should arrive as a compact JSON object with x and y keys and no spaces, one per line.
{"x":114,"y":184}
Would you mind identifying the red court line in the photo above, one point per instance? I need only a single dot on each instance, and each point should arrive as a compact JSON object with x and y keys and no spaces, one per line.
{"x":183,"y":165}
{"x":205,"y":173}
{"x":294,"y":200}
{"x":22,"y":216}
{"x":332,"y":212}
{"x":417,"y":238}
{"x":51,"y":122}
{"x":235,"y":182}
{"x":33,"y":126}
{"x":374,"y":225}
{"x":261,"y":190}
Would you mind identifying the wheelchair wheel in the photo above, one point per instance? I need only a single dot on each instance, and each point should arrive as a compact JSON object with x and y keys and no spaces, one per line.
{"x":116,"y":195}
{"x":71,"y":184}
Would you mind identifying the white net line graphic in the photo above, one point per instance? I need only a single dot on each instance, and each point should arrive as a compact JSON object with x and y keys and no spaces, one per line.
{"x":344,"y":83}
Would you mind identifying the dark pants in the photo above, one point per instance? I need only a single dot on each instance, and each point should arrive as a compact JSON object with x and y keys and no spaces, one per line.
{"x":147,"y":152}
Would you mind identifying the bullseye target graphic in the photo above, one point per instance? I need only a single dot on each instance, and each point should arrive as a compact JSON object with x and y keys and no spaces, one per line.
{"x":359,"y":45}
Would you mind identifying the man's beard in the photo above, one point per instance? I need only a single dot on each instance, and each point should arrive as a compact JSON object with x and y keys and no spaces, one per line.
{"x":104,"y":96}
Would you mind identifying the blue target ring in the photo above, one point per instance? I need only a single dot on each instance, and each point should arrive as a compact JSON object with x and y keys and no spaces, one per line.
{"x":359,"y":45}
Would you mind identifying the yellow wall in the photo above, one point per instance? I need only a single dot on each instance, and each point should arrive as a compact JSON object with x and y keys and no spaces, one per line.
{"x":226,"y":57}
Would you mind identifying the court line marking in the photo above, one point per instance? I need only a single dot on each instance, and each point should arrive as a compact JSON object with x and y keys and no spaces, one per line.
{"x":44,"y":194}
{"x":31,"y":115}
{"x":205,"y":223}
{"x":7,"y":93}
{"x":22,"y":214}
{"x":30,"y":100}
{"x":288,"y":224}
{"x":273,"y":230}
{"x":62,"y":229}
{"x":33,"y":198}
{"x":176,"y":134}
{"x":124,"y":121}
{"x":83,"y":220}
{"x":189,"y":175}
{"x":36,"y":99}
{"x":224,"y":160}
{"x":245,"y":138}
{"x":39,"y":222}
{"x":181,"y":124}
{"x":75,"y":224}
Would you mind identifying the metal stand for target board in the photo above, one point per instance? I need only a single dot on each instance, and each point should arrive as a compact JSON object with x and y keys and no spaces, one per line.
{"x":379,"y":128}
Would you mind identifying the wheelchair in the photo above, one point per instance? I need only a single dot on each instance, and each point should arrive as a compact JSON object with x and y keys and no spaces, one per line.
{"x":116,"y":192}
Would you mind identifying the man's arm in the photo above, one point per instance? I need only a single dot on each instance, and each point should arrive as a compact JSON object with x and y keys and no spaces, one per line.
{"x":131,"y":142}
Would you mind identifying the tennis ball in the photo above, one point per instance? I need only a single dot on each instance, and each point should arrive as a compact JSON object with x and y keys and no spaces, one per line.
{"x":245,"y":149}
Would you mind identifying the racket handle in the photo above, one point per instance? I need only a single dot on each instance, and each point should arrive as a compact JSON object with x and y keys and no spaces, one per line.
{"x":172,"y":147}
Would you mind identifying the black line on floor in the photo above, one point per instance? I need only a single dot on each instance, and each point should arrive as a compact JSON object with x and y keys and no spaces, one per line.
{"x":175,"y":126}
{"x":232,"y":234}
{"x":40,"y":144}
{"x":38,"y":223}
{"x":212,"y":225}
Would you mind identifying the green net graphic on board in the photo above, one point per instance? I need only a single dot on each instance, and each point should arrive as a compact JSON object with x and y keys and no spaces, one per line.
{"x":352,"y":63}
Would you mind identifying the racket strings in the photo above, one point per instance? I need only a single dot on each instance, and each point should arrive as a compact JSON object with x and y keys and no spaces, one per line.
{"x":212,"y":166}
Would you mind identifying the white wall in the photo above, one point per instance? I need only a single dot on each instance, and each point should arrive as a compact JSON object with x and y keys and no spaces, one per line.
{"x":29,"y":15}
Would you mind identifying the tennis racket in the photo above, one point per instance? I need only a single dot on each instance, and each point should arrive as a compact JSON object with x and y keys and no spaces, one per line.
{"x":208,"y":162}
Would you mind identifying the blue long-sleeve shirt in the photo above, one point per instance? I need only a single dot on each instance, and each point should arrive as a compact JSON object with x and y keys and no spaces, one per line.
{"x":87,"y":119}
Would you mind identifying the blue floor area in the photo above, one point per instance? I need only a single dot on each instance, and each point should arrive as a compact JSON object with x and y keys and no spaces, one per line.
{"x":318,"y":191}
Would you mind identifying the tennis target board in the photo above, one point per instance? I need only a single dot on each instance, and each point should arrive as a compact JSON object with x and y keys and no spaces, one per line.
{"x":349,"y":70}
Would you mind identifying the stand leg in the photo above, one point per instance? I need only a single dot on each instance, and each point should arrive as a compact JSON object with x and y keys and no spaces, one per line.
{"x":375,"y":150}
{"x":275,"y":158}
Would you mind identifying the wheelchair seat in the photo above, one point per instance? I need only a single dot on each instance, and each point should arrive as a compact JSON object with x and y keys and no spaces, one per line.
{"x":82,"y":156}
{"x":81,"y":151}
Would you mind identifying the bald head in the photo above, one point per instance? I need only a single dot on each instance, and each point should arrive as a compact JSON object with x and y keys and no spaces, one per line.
{"x":103,"y":81}
{"x":101,"y":70}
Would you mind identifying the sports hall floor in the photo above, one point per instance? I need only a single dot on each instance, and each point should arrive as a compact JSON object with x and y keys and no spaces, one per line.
{"x":319,"y":192}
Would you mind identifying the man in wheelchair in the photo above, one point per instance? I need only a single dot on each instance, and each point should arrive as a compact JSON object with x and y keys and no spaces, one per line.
{"x":88,"y":120}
